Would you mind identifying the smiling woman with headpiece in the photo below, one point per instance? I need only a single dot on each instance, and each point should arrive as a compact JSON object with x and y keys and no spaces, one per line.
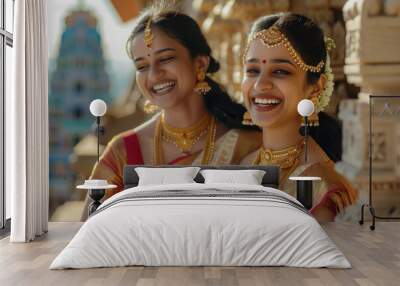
{"x":287,"y":60}
{"x":196,"y":122}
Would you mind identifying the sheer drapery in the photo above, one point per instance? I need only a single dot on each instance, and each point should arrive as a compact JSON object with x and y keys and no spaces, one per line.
{"x":27,"y":124}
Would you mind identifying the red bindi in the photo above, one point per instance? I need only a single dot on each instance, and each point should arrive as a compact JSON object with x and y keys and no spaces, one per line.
{"x":264,"y":61}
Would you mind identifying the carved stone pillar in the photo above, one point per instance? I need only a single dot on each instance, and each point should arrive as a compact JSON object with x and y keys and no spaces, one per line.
{"x":373,"y":63}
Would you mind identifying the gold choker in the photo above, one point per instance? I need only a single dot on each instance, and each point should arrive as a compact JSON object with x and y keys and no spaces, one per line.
{"x":185,"y":138}
{"x":285,"y":158}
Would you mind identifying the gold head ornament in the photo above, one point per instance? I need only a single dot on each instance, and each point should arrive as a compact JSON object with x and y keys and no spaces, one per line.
{"x":273,"y":37}
{"x":148,"y":34}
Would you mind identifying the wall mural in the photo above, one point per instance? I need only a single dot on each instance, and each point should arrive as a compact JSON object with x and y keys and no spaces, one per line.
{"x":201,"y":108}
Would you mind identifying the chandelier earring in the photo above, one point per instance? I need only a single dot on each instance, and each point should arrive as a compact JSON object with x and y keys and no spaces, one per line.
{"x":202,"y":87}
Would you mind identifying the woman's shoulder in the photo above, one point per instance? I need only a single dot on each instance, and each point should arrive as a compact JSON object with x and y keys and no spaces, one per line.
{"x":327,"y":171}
{"x":322,"y":166}
{"x":315,"y":153}
{"x":317,"y":159}
{"x":119,"y":139}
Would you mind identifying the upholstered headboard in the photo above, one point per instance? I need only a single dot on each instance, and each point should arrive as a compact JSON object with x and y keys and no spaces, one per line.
{"x":270,"y":179}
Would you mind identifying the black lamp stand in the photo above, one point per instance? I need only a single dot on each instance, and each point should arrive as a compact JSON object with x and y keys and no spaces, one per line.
{"x":305,"y":137}
{"x":304,"y":193}
{"x":304,"y":185}
{"x":96,"y":194}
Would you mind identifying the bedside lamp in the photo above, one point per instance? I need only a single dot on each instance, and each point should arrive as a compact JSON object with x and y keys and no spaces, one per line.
{"x":98,"y":108}
{"x":305,"y":108}
{"x":97,"y":188}
{"x":304,"y":189}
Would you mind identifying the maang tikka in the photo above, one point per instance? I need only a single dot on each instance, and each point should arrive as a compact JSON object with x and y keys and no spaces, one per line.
{"x":148,"y":34}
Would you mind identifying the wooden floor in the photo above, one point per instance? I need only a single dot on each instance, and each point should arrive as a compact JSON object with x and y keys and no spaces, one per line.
{"x":375,"y":256}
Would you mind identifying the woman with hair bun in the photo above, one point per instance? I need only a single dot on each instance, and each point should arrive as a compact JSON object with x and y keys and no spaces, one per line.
{"x":286,"y":60}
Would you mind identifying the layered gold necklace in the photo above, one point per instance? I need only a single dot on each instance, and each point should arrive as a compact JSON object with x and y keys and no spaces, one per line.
{"x":185,"y":138}
{"x":288,"y":159}
{"x":284,"y":158}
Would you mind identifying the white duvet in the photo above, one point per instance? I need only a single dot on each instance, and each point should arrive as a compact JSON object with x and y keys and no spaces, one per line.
{"x":206,"y":230}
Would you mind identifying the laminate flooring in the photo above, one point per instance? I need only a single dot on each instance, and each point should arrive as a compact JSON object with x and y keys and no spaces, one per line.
{"x":374,"y":255}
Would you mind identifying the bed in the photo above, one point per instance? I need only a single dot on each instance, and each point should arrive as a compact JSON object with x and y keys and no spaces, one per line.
{"x":201,"y":224}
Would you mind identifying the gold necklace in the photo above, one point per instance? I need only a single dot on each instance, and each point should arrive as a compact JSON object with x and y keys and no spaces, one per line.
{"x":158,"y":154}
{"x":288,"y":159}
{"x":285,"y":158}
{"x":185,"y":138}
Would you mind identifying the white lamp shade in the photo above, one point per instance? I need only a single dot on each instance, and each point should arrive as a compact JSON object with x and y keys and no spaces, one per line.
{"x":98,"y":107}
{"x":305,"y":107}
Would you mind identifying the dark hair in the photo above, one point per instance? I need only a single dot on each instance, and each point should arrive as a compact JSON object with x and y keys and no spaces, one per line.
{"x":185,"y":30}
{"x":307,"y":38}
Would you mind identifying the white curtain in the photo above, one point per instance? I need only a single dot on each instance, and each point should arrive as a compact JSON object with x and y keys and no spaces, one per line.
{"x":27,"y":124}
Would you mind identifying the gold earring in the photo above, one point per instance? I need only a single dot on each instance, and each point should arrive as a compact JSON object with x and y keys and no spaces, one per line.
{"x":202,"y":87}
{"x":247,"y":120}
{"x":150,"y":107}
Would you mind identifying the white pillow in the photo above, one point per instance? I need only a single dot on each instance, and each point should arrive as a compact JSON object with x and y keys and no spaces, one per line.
{"x":249,"y":177}
{"x":163,"y":176}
